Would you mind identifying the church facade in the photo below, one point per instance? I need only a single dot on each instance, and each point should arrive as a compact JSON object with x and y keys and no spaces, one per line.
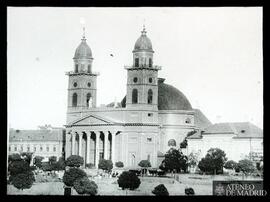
{"x":152,"y":117}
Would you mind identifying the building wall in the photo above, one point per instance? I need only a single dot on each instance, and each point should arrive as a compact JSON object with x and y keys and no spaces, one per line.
{"x":54,"y":148}
{"x":235,"y":148}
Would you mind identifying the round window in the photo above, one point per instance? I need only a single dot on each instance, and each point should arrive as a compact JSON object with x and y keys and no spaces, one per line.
{"x":135,"y":79}
{"x":75,"y":84}
{"x":150,"y":80}
{"x":89,"y":84}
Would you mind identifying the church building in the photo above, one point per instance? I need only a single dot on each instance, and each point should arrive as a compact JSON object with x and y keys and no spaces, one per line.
{"x":153,"y":116}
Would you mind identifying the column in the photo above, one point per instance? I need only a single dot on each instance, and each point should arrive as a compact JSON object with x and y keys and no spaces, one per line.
{"x":80,"y":144}
{"x":73,"y":134}
{"x":106,"y":134}
{"x":113,"y":147}
{"x":97,"y":148}
{"x":88,"y":147}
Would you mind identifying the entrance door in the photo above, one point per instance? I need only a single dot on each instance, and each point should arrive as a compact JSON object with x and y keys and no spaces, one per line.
{"x":132,"y":159}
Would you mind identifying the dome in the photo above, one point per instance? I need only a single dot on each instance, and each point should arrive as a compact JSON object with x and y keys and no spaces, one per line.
{"x":83,"y":51}
{"x":143,"y":43}
{"x":169,"y":98}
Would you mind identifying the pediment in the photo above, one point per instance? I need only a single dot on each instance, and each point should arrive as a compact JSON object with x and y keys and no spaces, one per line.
{"x":91,"y":120}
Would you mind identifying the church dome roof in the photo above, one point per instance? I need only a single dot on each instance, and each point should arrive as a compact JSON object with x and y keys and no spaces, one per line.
{"x":169,"y":98}
{"x":83,"y":51}
{"x":143,"y":43}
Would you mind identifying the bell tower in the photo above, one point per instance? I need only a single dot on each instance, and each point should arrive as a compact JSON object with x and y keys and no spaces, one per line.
{"x":142,"y":76}
{"x":82,"y":84}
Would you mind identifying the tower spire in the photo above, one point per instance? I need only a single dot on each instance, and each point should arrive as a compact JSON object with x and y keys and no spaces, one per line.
{"x":143,"y":31}
{"x":83,"y":36}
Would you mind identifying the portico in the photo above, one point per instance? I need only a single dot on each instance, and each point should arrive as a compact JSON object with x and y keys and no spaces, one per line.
{"x":93,"y":145}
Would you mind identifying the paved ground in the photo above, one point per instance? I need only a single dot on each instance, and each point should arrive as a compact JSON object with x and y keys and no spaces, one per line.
{"x":202,"y":185}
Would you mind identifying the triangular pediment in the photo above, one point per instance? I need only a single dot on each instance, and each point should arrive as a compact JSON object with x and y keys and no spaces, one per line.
{"x":91,"y":120}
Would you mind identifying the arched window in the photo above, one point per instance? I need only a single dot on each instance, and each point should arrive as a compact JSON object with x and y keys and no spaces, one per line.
{"x":172,"y":142}
{"x":89,"y":69}
{"x":136,"y":62}
{"x":150,"y":62}
{"x":76,"y":68}
{"x":88,"y":96}
{"x":134,"y":96}
{"x":150,"y":96}
{"x":74,"y":100}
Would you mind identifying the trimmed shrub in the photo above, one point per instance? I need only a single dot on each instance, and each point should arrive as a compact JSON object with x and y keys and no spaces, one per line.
{"x":71,"y":175}
{"x":14,"y":157}
{"x":74,"y":161}
{"x":144,"y":163}
{"x":189,"y":191}
{"x":160,"y":190}
{"x":128,"y":180}
{"x":85,"y":186}
{"x":23,"y":180}
{"x":119,"y":164}
{"x":60,"y":164}
{"x":105,"y":164}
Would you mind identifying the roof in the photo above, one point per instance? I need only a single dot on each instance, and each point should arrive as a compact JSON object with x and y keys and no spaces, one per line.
{"x":241,"y":129}
{"x":169,"y":98}
{"x":83,"y":51}
{"x":200,"y":120}
{"x":36,"y":135}
{"x":143,"y":43}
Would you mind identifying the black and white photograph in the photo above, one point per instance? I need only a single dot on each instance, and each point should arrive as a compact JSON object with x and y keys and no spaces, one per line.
{"x":132,"y":101}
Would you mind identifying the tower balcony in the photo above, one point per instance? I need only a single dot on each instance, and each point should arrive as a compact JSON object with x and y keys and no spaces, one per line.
{"x":154,"y":67}
{"x":72,"y":73}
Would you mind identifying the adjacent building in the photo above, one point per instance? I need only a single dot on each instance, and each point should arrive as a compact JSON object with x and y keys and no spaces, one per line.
{"x":46,"y":141}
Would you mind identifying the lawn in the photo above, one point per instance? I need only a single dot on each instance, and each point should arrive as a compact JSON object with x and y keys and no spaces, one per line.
{"x":202,"y":185}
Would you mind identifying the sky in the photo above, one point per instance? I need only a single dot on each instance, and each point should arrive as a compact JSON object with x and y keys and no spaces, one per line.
{"x":212,"y":55}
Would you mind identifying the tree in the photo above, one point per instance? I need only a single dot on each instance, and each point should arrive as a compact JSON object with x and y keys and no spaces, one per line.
{"x":74,"y":161}
{"x":189,"y":191}
{"x":246,"y":166}
{"x":128,"y":180}
{"x":213,"y":161}
{"x":175,"y":160}
{"x":27,"y":156}
{"x":17,"y":167}
{"x":23,"y":180}
{"x":38,"y":161}
{"x":119,"y":164}
{"x":60,"y":164}
{"x":14,"y":157}
{"x":160,"y":190}
{"x":71,"y":175}
{"x":230,"y":165}
{"x":52,"y":160}
{"x":105,"y":164}
{"x":184,"y":144}
{"x":85,"y":186}
{"x":193,"y":159}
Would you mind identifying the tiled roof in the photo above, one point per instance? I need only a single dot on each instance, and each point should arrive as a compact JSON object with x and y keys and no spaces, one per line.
{"x":200,"y":120}
{"x":36,"y":135}
{"x":241,"y":129}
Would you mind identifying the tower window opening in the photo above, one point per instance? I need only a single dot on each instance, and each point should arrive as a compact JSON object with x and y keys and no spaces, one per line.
{"x":188,"y":120}
{"x":134,"y":96}
{"x":76,"y":68}
{"x":150,"y":80}
{"x":89,"y":84}
{"x":75,"y":84}
{"x":150,"y":62}
{"x":89,"y":69}
{"x":136,"y":62}
{"x":135,"y":79}
{"x":150,"y":96}
{"x":74,"y":100}
{"x":88,"y":97}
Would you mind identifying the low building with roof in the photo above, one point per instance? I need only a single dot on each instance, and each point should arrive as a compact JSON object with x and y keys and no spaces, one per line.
{"x":46,"y":141}
{"x":239,"y":140}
